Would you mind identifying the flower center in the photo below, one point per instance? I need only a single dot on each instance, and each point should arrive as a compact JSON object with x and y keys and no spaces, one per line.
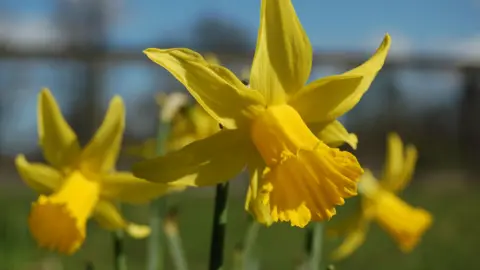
{"x":305,"y":179}
{"x":403,"y":222}
{"x":280,"y":131}
{"x":58,"y":221}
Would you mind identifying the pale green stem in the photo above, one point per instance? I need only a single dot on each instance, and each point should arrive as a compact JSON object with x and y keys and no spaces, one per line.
{"x":316,"y":248}
{"x":250,"y":257}
{"x":155,"y":253}
{"x":238,"y":257}
{"x":176,"y":250}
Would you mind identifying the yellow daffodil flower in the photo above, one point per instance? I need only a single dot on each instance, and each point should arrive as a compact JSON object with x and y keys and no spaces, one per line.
{"x":191,"y":125}
{"x":188,"y":124}
{"x":79,"y":184}
{"x":404,"y":223}
{"x":271,"y":125}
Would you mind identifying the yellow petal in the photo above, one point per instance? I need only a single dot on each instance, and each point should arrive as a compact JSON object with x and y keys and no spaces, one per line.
{"x":212,"y":160}
{"x":394,"y":158}
{"x":283,"y":56}
{"x":352,"y":242}
{"x":125,"y":187}
{"x":255,"y":169}
{"x":100,"y":155}
{"x":57,"y":139}
{"x":411,"y":156}
{"x":404,"y":223}
{"x":219,"y":92}
{"x":109,"y":217}
{"x":260,"y":211}
{"x":328,"y":98}
{"x":40,"y":177}
{"x":254,"y":205}
{"x":399,"y":165}
{"x":334,"y":134}
{"x":319,"y":99}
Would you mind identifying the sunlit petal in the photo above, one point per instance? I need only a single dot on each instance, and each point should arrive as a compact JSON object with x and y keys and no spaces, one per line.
{"x":328,"y":98}
{"x":317,"y":101}
{"x":219,"y":92}
{"x":283,"y":57}
{"x":334,"y":134}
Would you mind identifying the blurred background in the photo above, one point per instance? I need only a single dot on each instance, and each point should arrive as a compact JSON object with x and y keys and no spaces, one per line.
{"x":86,"y":51}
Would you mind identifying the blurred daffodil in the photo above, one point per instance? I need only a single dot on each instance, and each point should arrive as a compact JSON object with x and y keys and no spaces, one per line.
{"x":190,"y":125}
{"x":270,"y":125}
{"x":188,"y":122}
{"x":404,"y":223}
{"x":78,"y":184}
{"x":212,"y":59}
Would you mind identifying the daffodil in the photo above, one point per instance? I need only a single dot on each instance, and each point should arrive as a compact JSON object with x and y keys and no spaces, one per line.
{"x":271,"y":125}
{"x":188,"y":124}
{"x":191,"y":125}
{"x":403,"y":222}
{"x":80,"y":183}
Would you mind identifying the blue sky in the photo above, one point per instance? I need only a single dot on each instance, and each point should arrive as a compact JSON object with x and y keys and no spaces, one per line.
{"x":416,"y":27}
{"x":330,"y":24}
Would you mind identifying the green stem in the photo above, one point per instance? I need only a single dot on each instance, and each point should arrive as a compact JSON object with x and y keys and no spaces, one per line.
{"x":250,"y":258}
{"x":175,"y":245}
{"x":219,"y":225}
{"x":119,"y":251}
{"x":316,"y":243}
{"x":155,"y":255}
{"x":308,"y":241}
{"x":238,"y":257}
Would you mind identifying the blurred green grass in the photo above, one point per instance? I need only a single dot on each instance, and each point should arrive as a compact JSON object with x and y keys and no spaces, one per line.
{"x":450,"y":244}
